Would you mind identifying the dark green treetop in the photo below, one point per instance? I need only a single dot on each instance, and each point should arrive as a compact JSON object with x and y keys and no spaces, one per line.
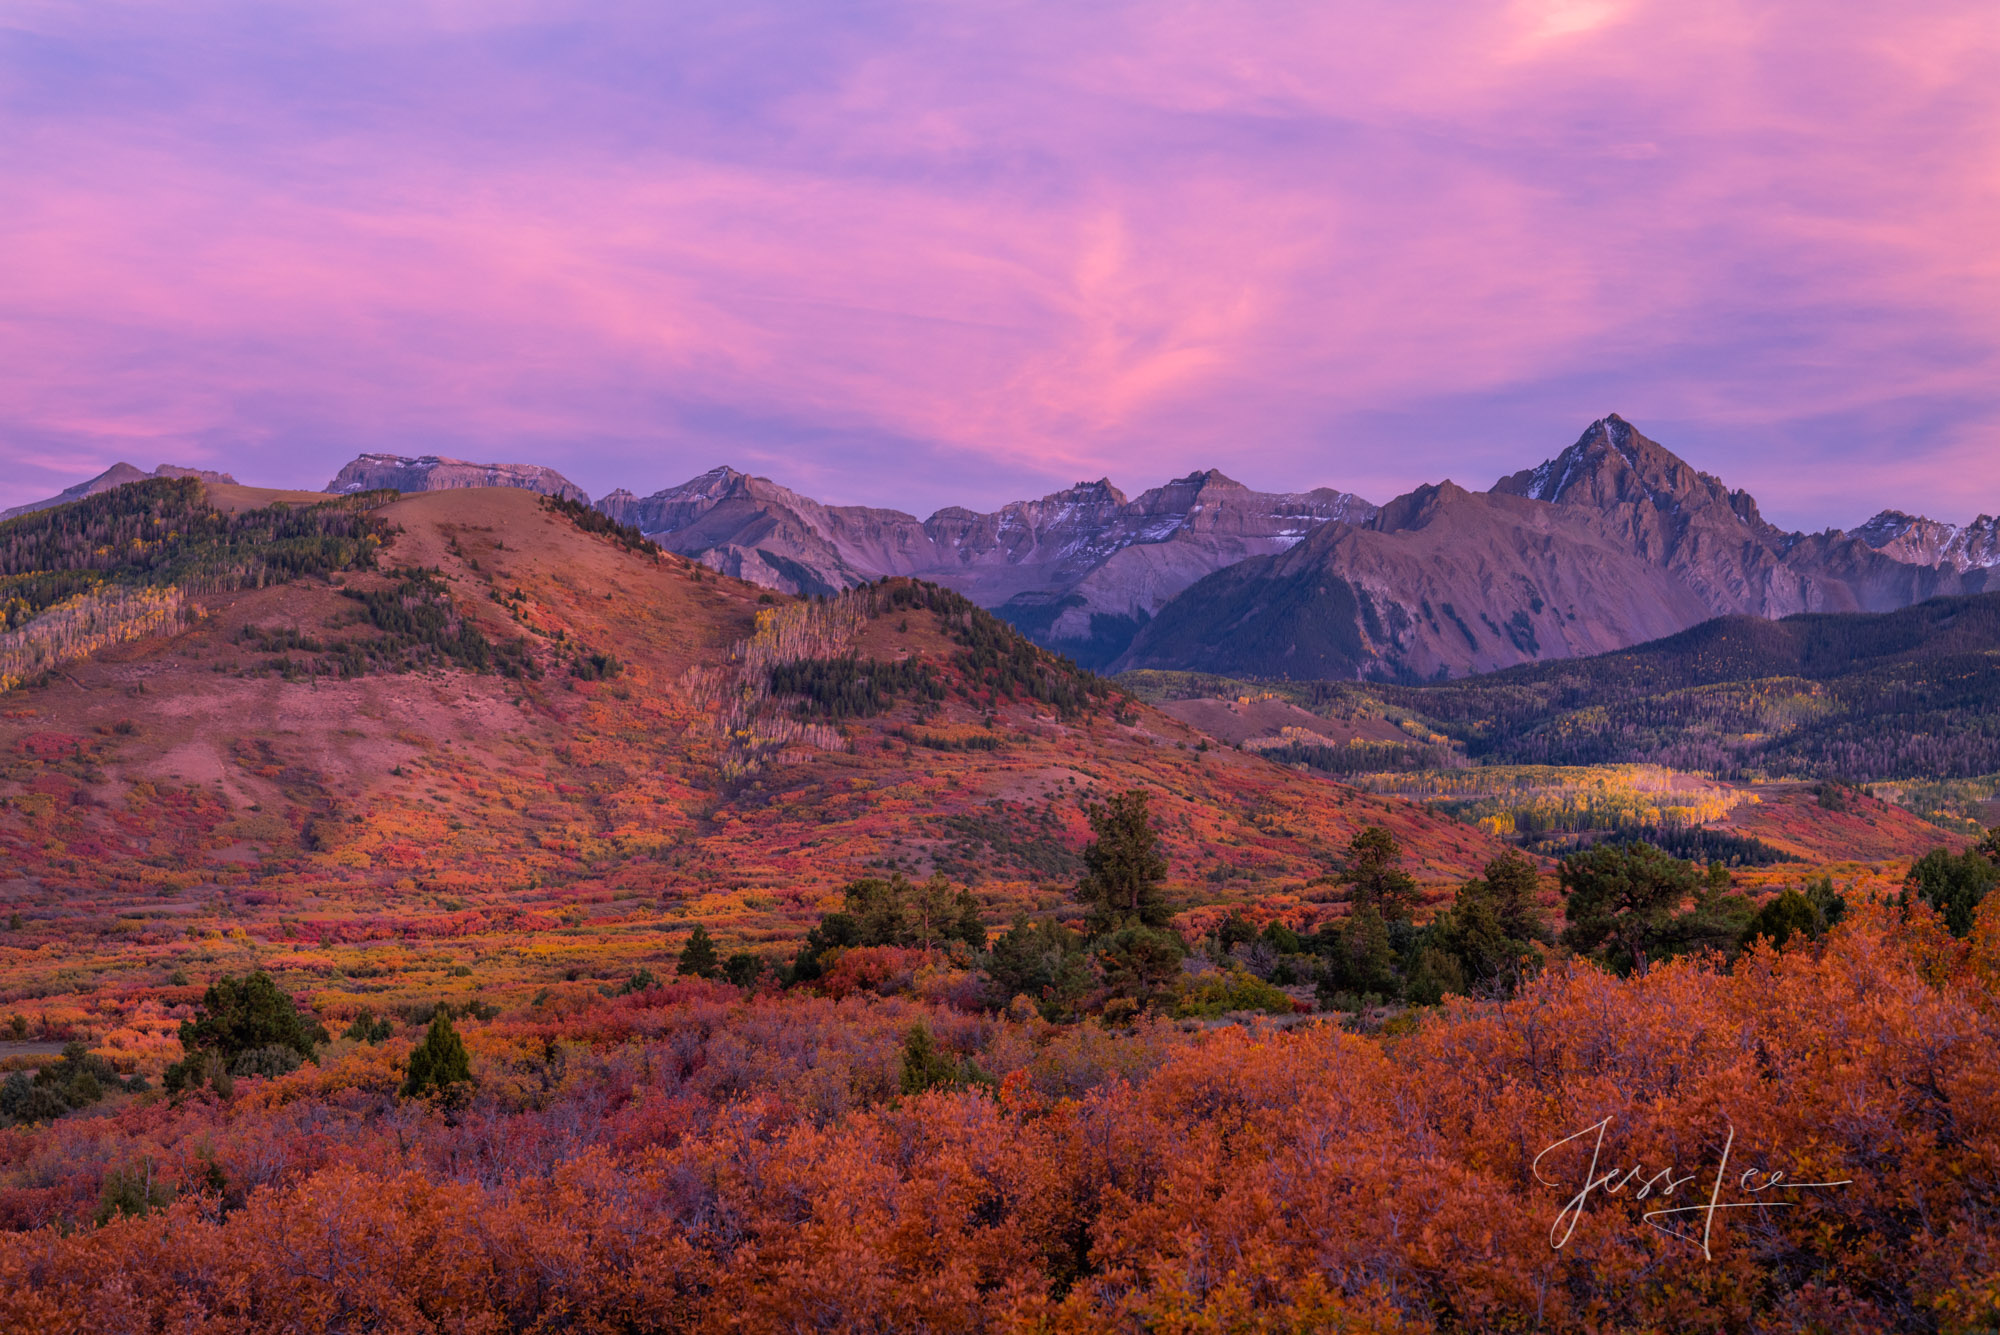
{"x":1123,"y":865}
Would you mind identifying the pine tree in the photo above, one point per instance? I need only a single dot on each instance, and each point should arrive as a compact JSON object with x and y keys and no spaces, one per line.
{"x":1123,"y":867}
{"x":1491,"y":929}
{"x":1790,"y":914}
{"x":1373,"y":870}
{"x":743,"y":969}
{"x":1367,"y":959}
{"x":1436,"y":975}
{"x":1624,"y":901}
{"x":932,"y":911}
{"x":698,"y":957}
{"x":1953,"y":884}
{"x":1045,"y":961}
{"x":1513,"y":888}
{"x":1140,"y":963}
{"x":925,"y":1065}
{"x":881,"y":910}
{"x":239,"y":1018}
{"x":439,"y":1062}
{"x":968,"y":928}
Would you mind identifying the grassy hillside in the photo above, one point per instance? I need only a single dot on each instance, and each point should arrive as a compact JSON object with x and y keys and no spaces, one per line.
{"x":504,"y":750}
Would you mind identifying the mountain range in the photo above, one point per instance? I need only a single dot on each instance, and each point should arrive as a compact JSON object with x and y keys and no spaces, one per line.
{"x":1081,"y":569}
{"x":1613,"y":542}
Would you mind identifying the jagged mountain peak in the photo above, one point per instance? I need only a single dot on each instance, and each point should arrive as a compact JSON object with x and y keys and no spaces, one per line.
{"x":1209,"y":477}
{"x":722,"y":473}
{"x":1089,"y":562}
{"x":1613,"y":540}
{"x":1183,"y":494}
{"x":1923,"y":541}
{"x":1614,"y":467}
{"x":718,"y":481}
{"x":1090,"y":493}
{"x":1887,"y":526}
{"x":1610,"y":464}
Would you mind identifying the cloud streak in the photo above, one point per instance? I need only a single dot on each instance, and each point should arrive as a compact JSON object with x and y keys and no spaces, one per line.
{"x":923,"y":255}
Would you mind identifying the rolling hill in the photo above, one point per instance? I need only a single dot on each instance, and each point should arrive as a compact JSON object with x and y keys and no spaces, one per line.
{"x":459,"y":715}
{"x":115,"y":476}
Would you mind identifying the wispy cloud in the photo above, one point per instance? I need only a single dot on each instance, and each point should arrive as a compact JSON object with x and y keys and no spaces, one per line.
{"x":921,"y":254}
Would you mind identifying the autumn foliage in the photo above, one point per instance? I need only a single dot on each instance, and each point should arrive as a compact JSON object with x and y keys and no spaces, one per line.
{"x":647,"y":1173}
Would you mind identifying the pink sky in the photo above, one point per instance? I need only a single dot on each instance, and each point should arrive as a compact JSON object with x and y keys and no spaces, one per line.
{"x":923,"y":254}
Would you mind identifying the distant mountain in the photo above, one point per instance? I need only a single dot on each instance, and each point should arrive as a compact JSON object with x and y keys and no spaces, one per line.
{"x":1920,"y":541}
{"x":1613,"y":542}
{"x":115,"y":476}
{"x":431,"y":472}
{"x":754,"y":529}
{"x":1080,"y":569}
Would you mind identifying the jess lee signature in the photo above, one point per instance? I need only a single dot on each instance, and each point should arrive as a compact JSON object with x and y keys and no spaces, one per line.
{"x":1761,"y":1184}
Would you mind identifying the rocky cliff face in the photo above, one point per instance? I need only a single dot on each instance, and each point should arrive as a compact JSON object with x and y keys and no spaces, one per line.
{"x":432,"y":472}
{"x":1612,"y":542}
{"x":1929,"y":542}
{"x":1080,"y":568}
{"x":115,"y":476}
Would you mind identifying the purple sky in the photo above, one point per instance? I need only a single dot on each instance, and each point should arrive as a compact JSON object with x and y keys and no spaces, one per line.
{"x":932,"y":253}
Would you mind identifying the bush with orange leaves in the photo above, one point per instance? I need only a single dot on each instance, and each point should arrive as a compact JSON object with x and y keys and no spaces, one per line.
{"x":1255,"y":1180}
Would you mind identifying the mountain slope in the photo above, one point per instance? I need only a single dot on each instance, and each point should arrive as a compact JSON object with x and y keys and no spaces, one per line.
{"x":1443,"y":581}
{"x":1614,"y":542}
{"x":1713,"y":540}
{"x":752,"y":528}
